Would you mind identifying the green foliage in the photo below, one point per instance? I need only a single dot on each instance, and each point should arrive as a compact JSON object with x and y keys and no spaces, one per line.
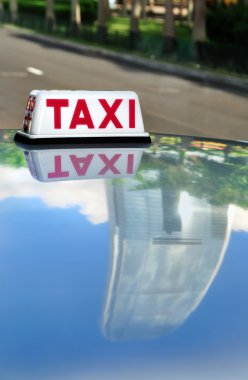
{"x":220,"y":183}
{"x":89,"y":11}
{"x":228,"y":24}
{"x":10,"y":154}
{"x":62,"y":8}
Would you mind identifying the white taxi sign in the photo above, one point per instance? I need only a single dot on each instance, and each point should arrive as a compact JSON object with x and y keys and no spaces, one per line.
{"x":62,"y":114}
{"x":49,"y":165}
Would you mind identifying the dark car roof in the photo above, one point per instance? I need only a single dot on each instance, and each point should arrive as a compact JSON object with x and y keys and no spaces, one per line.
{"x":127,"y":263}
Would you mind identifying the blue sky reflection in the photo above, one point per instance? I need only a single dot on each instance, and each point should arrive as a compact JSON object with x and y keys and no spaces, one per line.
{"x":65,"y":303}
{"x":52,"y":295}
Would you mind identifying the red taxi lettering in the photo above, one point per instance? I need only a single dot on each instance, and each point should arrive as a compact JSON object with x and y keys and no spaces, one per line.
{"x":57,"y":104}
{"x":81,"y":115}
{"x":76,"y":120}
{"x":109,"y":164}
{"x":130,"y":159}
{"x":58,"y":173}
{"x":81,"y":164}
{"x":131,"y":113}
{"x":110,"y":113}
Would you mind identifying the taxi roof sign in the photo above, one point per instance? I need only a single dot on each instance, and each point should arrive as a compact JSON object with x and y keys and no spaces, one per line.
{"x":56,"y":116}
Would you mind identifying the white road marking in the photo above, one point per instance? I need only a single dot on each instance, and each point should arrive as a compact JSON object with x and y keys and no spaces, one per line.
{"x":35,"y":71}
{"x":13,"y":74}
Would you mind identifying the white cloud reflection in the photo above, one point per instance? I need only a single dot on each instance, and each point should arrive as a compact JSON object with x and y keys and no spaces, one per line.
{"x":240,"y":219}
{"x":89,"y":196}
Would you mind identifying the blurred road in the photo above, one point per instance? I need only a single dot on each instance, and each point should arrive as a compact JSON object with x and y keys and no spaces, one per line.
{"x":169,"y":104}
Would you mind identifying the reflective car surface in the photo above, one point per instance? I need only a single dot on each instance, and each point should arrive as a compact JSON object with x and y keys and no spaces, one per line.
{"x":124,"y":263}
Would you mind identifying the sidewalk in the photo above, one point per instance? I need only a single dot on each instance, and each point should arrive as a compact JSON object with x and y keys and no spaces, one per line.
{"x":204,"y":76}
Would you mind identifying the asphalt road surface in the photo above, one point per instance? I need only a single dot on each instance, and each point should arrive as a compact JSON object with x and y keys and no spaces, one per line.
{"x":169,"y":104}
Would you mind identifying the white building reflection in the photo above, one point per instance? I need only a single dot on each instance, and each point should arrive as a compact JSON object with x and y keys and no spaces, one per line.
{"x":166,"y":250}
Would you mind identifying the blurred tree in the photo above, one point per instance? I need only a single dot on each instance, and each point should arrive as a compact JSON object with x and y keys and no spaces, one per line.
{"x":1,"y":10}
{"x":107,"y":8}
{"x":102,"y":16}
{"x":169,"y":28}
{"x":199,"y":26}
{"x":124,"y":8}
{"x":143,"y":10}
{"x":50,"y":17}
{"x":134,"y":22}
{"x":229,"y":25}
{"x":230,"y":2}
{"x":89,"y":9}
{"x":190,"y":11}
{"x":13,"y":10}
{"x":75,"y":17}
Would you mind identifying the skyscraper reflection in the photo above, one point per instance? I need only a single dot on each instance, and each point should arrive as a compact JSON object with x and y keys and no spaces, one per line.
{"x":167,"y":247}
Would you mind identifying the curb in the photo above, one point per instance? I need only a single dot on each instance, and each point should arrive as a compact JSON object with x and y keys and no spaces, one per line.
{"x":205,"y":77}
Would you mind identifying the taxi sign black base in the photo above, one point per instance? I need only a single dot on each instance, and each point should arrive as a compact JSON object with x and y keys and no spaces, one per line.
{"x":83,"y":141}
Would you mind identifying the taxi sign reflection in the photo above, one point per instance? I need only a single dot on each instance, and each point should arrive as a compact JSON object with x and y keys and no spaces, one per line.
{"x":47,"y":165}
